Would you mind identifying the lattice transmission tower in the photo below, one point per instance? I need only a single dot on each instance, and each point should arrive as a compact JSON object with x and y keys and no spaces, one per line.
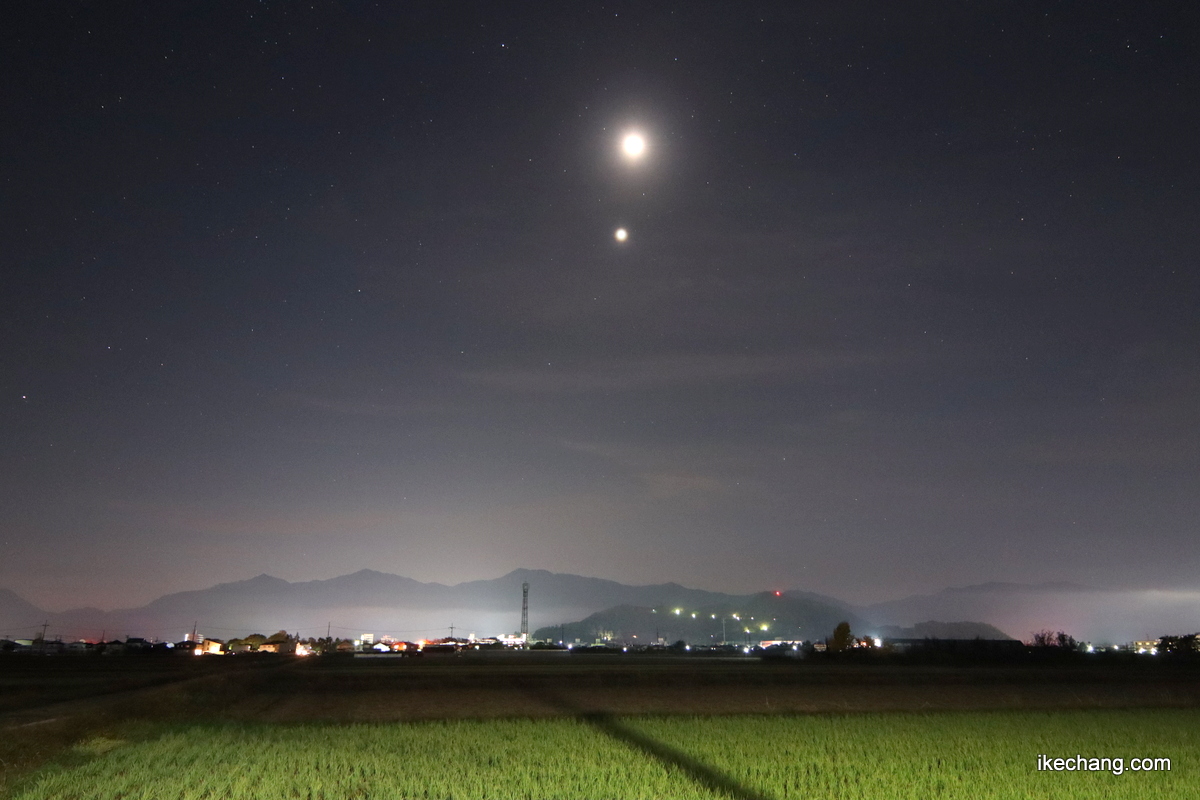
{"x":524,"y":612}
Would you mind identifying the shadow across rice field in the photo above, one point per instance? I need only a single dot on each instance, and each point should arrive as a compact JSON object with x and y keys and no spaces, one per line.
{"x":611,"y":726}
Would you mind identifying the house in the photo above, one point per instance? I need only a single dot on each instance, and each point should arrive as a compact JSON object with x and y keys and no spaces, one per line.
{"x":186,"y":648}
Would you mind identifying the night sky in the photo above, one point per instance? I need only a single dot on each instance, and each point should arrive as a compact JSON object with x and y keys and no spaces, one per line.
{"x":909,"y":297}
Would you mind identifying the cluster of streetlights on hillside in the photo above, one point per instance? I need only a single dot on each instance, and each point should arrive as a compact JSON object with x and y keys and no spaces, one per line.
{"x":761,"y":626}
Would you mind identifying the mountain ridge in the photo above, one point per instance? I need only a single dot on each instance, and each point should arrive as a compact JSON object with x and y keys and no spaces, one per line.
{"x":372,"y":600}
{"x":375,"y":599}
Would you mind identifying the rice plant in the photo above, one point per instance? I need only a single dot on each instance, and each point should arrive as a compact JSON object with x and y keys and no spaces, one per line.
{"x":965,"y":754}
{"x":887,"y":756}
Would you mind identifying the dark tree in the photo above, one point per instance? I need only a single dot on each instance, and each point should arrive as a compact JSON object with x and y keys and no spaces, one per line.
{"x":1180,"y":646}
{"x":1053,"y":639}
{"x":842,"y":638}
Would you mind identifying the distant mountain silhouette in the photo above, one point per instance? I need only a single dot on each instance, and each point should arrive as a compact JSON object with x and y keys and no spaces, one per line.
{"x":366,"y":601}
{"x":980,"y":601}
{"x":821,"y":598}
{"x":944,"y":630}
{"x":1087,"y":613}
{"x":1000,"y":587}
{"x":381,"y":603}
{"x":19,"y":618}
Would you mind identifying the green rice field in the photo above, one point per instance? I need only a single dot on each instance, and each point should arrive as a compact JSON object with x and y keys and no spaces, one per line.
{"x":877,"y":756}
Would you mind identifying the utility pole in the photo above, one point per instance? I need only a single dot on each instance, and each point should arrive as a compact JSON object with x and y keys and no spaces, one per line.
{"x":451,"y":631}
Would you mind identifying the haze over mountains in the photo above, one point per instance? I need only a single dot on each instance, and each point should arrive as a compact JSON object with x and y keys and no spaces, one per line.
{"x":1089,"y":614}
{"x":351,"y":604}
{"x":370,"y":601}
